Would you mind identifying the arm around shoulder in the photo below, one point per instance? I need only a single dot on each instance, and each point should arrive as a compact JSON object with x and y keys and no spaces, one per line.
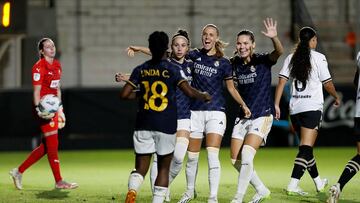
{"x":194,"y":93}
{"x":131,"y":50}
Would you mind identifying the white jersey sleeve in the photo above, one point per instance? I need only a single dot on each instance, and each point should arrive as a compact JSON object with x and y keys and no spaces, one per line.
{"x":357,"y":107}
{"x":322,"y":67}
{"x":358,"y":60}
{"x":285,"y":70}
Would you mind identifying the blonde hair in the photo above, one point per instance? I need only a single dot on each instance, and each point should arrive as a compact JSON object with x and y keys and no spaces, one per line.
{"x":219,"y":44}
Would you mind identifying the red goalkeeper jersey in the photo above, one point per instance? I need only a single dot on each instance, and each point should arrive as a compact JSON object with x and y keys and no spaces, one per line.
{"x":47,"y":75}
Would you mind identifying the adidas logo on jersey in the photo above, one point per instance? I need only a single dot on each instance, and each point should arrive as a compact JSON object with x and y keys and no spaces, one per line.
{"x":198,"y":59}
{"x":256,"y":129}
{"x":221,"y":123}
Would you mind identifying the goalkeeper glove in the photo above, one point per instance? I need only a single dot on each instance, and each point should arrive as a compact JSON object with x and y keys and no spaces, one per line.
{"x":44,"y":115}
{"x":61,"y":118}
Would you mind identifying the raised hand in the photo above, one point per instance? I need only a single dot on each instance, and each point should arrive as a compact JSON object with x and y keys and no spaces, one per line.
{"x":270,"y":26}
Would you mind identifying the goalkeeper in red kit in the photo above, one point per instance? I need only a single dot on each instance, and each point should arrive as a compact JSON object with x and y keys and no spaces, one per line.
{"x":46,"y":75}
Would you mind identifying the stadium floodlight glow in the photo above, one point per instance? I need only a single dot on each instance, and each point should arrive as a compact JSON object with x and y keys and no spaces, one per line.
{"x":5,"y":18}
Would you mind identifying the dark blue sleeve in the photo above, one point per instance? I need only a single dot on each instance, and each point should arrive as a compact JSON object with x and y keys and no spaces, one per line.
{"x":135,"y":77}
{"x":265,"y":59}
{"x":193,"y":54}
{"x":227,"y":69}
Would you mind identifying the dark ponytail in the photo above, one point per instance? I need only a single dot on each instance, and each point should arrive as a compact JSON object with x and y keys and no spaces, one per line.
{"x":300,"y":65}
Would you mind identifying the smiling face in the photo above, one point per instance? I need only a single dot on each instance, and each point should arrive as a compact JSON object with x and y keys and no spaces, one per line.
{"x":245,"y":46}
{"x":179,"y":47}
{"x":48,"y":50}
{"x":209,"y":38}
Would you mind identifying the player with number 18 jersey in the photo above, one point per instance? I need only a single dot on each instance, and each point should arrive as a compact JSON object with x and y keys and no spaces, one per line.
{"x":158,"y":84}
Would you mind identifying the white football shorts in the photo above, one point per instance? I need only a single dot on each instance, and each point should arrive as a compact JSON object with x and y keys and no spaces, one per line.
{"x":260,"y":126}
{"x":148,"y":142}
{"x":207,"y":122}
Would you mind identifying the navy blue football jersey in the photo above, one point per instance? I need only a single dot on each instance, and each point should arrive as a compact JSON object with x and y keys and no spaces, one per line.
{"x":208,"y":75}
{"x":183,"y":101}
{"x":157,"y":97}
{"x":253,"y":81}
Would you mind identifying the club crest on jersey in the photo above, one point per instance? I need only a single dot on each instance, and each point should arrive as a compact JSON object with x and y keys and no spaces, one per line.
{"x":216,"y":64}
{"x":188,"y":70}
{"x":52,"y":123}
{"x":36,"y":76}
{"x":252,"y":68}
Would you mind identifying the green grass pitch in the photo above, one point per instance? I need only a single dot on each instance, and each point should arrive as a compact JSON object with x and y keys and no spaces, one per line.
{"x":103,"y":174}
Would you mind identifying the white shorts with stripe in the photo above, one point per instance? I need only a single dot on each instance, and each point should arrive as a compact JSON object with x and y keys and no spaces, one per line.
{"x":149,"y":142}
{"x":204,"y":122}
{"x":259,"y":126}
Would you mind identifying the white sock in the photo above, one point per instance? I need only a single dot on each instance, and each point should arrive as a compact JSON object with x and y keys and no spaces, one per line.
{"x":293,"y":184}
{"x":159,"y":194}
{"x":247,"y":168}
{"x":153,"y":173}
{"x":318,"y":182}
{"x":191,"y":170}
{"x":179,"y":154}
{"x":236,"y":163}
{"x":135,"y":181}
{"x":256,"y":182}
{"x":214,"y":170}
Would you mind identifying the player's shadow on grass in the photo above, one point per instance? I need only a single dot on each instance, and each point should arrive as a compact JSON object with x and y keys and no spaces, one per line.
{"x":53,"y":194}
